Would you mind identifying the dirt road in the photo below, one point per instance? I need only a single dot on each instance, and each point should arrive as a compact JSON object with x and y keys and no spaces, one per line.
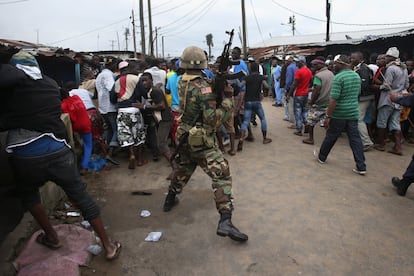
{"x":302,"y":218}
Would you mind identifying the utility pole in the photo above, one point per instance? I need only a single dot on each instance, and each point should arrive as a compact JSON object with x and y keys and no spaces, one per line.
{"x":117,"y":37}
{"x":133,"y":34}
{"x":37,"y":36}
{"x":292,"y":21}
{"x":162,"y":40}
{"x":141,"y":23}
{"x":244,"y":28}
{"x":126,"y":38}
{"x":156,"y":41}
{"x":328,"y":18}
{"x":151,"y":39}
{"x":112,"y":44}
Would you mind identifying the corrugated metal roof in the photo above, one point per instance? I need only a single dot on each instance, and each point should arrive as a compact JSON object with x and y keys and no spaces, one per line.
{"x":353,"y":37}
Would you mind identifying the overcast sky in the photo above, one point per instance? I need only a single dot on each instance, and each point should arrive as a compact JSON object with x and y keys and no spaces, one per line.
{"x":92,"y":25}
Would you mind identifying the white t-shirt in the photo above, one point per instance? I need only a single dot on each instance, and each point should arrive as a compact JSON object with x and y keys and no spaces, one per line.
{"x":84,"y":95}
{"x":158,"y":76}
{"x":104,"y":83}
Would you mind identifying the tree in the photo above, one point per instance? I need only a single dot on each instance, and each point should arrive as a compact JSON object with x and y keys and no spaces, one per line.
{"x":209,"y":41}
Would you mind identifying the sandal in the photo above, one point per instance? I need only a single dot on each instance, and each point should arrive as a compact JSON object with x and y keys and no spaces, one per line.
{"x":396,"y":152}
{"x":42,"y":239}
{"x":140,"y":164}
{"x":116,"y":252}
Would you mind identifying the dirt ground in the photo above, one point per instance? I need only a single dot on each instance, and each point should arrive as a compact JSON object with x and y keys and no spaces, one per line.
{"x":302,"y":217}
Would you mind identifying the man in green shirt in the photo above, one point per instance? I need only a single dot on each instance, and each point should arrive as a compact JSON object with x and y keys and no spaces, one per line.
{"x":343,"y":113}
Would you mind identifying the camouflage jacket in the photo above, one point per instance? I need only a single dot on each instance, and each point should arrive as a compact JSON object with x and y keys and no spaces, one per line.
{"x":196,"y":98}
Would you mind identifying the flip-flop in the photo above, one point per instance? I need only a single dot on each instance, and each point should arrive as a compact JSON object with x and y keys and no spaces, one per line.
{"x":117,"y":251}
{"x":41,"y":239}
{"x":393,"y":151}
{"x":144,"y":162}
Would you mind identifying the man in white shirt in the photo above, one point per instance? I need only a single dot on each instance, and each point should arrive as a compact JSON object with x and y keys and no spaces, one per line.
{"x":104,"y":83}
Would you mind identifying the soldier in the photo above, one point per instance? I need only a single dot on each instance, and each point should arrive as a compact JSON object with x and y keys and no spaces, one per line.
{"x":196,"y":132}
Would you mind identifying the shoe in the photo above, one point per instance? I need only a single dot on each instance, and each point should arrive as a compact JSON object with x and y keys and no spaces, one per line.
{"x":110,"y":160}
{"x":308,"y":141}
{"x":286,"y":119}
{"x":379,"y":147}
{"x":368,"y":147}
{"x":226,"y":142}
{"x":316,"y":154}
{"x":298,"y":133}
{"x":279,"y":105}
{"x":360,"y":172}
{"x":170,"y":201}
{"x":226,"y":229}
{"x":401,"y":185}
{"x":292,"y":127}
{"x":267,"y":140}
{"x":275,"y":104}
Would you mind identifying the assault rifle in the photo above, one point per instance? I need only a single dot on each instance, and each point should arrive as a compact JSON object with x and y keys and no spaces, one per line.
{"x":225,"y":55}
{"x":225,"y":62}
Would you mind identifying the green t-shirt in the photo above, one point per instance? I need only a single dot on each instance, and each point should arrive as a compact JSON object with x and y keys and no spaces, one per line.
{"x":345,"y":90}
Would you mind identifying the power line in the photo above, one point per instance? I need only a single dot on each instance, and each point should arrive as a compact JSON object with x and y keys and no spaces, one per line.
{"x":171,"y":9}
{"x":194,"y":19}
{"x":342,"y":23}
{"x":200,"y":9}
{"x":13,"y":2}
{"x":257,"y":22}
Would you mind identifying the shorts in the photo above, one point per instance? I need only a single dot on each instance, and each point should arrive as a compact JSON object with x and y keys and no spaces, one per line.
{"x":388,"y":115}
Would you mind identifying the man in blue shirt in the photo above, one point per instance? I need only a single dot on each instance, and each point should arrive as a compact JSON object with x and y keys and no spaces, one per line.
{"x":290,"y":77}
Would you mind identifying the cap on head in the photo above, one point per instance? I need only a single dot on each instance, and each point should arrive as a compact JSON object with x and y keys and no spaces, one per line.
{"x":24,"y":58}
{"x":300,"y":59}
{"x":289,"y":58}
{"x":193,"y":57}
{"x":250,"y":58}
{"x":123,"y":64}
{"x":393,"y":52}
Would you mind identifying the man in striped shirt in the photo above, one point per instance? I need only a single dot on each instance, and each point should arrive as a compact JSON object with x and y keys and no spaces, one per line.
{"x":343,"y":113}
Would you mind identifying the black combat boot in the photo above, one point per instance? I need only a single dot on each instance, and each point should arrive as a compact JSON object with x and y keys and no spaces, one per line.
{"x":170,"y":201}
{"x":401,"y":185}
{"x":226,"y":228}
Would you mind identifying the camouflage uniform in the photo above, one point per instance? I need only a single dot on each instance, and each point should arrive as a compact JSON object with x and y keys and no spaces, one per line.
{"x":198,"y":100}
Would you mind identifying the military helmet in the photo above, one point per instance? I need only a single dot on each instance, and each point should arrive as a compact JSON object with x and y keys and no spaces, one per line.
{"x":193,"y":58}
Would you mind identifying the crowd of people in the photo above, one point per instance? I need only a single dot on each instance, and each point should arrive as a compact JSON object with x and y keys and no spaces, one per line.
{"x":176,"y":110}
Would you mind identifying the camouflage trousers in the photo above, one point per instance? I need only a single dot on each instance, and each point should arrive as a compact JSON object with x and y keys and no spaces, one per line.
{"x":131,"y":130}
{"x":213,"y":164}
{"x":315,"y":115}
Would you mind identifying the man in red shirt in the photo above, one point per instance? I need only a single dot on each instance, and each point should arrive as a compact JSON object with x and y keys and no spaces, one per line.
{"x":299,"y":90}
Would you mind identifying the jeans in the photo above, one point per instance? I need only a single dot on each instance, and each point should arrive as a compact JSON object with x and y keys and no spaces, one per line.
{"x":334,"y":131}
{"x":257,"y":107}
{"x":59,"y":166}
{"x":112,"y":132}
{"x":362,"y":126}
{"x":299,"y":103}
{"x":87,"y":149}
{"x":388,"y":115}
{"x":278,"y":93}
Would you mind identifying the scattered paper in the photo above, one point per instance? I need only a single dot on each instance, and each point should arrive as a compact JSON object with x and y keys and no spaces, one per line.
{"x":153,"y":236}
{"x":145,"y":213}
{"x":73,"y":214}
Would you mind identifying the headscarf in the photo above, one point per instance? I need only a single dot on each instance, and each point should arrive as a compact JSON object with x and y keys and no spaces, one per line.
{"x":27,"y":63}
